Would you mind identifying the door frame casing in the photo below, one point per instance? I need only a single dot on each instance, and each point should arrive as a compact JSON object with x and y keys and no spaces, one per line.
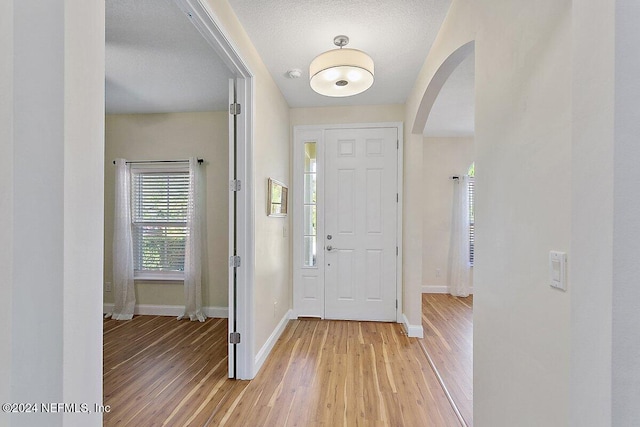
{"x":207,"y":23}
{"x":306,"y":133}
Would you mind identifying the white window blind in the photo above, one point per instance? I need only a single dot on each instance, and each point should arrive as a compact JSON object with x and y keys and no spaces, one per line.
{"x":159,"y":218}
{"x":472,"y":229}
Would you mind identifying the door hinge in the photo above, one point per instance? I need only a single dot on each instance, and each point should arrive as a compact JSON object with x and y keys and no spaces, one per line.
{"x":234,"y":109}
{"x":234,"y":261}
{"x":396,"y":251}
{"x":396,"y":303}
{"x":234,"y":337}
{"x":397,"y":144}
{"x":397,"y":197}
{"x":235,"y":185}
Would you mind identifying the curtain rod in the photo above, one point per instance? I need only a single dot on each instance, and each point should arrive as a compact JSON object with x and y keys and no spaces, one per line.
{"x":161,"y":161}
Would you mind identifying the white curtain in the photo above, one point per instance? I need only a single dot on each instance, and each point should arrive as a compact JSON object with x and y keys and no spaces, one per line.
{"x":124,"y":295}
{"x":459,"y":264}
{"x":193,"y":247}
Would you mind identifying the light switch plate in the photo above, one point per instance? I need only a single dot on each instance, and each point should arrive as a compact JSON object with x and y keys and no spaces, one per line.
{"x":558,"y":270}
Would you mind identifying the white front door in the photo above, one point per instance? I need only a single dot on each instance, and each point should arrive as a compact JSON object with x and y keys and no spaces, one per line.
{"x":360,"y":223}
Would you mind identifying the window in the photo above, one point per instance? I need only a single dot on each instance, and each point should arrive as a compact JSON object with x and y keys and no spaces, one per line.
{"x":159,"y":201}
{"x":310,"y":207}
{"x":472,"y":219}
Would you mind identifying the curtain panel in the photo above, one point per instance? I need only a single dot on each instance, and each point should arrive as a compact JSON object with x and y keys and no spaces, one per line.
{"x":193,"y":246}
{"x":459,"y":262}
{"x":124,"y":295}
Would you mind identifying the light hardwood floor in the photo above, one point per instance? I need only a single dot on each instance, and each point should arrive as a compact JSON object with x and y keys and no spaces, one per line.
{"x":448,"y":340}
{"x":158,"y":371}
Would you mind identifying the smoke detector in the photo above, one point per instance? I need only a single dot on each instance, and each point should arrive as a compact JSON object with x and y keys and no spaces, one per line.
{"x":295,"y":73}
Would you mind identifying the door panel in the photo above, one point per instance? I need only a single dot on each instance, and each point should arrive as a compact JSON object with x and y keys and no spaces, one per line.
{"x":374,"y":200}
{"x":344,"y":265}
{"x":373,"y":279}
{"x":346,"y":201}
{"x":360,"y":212}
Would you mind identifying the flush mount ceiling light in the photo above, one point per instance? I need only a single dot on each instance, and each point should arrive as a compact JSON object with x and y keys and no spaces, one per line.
{"x":341,"y":72}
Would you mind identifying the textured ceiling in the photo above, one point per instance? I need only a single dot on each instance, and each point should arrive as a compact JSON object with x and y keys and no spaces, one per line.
{"x":157,"y":62}
{"x":397,"y":34}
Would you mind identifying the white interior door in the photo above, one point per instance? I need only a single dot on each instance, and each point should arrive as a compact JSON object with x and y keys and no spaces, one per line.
{"x":360,"y":223}
{"x":231,"y":321}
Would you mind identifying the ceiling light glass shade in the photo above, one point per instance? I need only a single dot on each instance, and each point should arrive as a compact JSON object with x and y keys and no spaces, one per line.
{"x":341,"y":72}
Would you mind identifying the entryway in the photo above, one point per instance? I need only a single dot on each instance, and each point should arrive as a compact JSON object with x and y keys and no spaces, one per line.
{"x":347,"y":215}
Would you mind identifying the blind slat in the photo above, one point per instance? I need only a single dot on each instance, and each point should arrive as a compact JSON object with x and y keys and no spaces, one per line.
{"x":472,"y":220}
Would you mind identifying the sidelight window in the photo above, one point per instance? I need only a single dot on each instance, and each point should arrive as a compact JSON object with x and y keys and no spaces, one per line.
{"x":310,"y":205}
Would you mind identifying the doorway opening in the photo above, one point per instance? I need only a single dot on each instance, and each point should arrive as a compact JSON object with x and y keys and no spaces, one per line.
{"x":158,"y":116}
{"x":448,"y":183}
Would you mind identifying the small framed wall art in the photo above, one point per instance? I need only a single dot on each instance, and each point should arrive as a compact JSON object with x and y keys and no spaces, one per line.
{"x":277,"y":198}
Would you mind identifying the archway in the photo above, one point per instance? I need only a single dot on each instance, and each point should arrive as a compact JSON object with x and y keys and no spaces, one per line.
{"x":447,"y":150}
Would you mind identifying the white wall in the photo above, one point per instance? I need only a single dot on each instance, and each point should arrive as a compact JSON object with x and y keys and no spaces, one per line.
{"x":523,"y":167}
{"x":342,"y":115}
{"x":273,"y":291}
{"x":605,"y":374}
{"x":176,"y":136}
{"x":412,"y":223}
{"x":591,"y":252}
{"x":38,"y":180}
{"x":83,"y":206}
{"x":626,"y":221}
{"x":6,"y":199}
{"x":443,"y":158}
{"x":523,"y":210}
{"x":54,"y":158}
{"x":555,"y":167}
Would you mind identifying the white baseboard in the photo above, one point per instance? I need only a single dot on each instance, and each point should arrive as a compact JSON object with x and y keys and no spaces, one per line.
{"x":435,"y":289}
{"x":439,"y":289}
{"x":219,"y":312}
{"x":261,"y":357}
{"x":170,"y":310}
{"x":414,"y":331}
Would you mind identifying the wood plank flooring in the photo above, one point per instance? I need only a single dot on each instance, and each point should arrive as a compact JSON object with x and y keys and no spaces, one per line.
{"x":448,"y":339}
{"x":158,"y":371}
